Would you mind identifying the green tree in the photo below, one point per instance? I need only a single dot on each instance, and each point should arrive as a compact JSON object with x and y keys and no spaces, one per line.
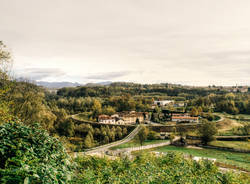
{"x":96,"y":108}
{"x":5,"y":61}
{"x":194,"y":112}
{"x":106,"y":140}
{"x":200,"y":110}
{"x":119,"y":133}
{"x":29,"y":105}
{"x":152,"y":135}
{"x":69,"y":128}
{"x":88,"y":141}
{"x":171,"y":137}
{"x":142,"y":135}
{"x":109,"y":110}
{"x":124,"y":131}
{"x":207,"y":130}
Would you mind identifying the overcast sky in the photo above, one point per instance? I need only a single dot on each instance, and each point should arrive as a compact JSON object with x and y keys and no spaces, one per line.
{"x":195,"y":42}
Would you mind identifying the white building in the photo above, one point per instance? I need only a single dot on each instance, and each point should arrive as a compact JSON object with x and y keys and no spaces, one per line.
{"x":106,"y":119}
{"x":163,"y":102}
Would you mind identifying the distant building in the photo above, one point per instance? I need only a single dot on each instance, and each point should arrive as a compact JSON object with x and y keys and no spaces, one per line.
{"x":106,"y":119}
{"x":123,"y":118}
{"x":163,"y":102}
{"x":185,"y":119}
{"x":181,"y":115}
{"x":131,"y":117}
{"x":180,"y":104}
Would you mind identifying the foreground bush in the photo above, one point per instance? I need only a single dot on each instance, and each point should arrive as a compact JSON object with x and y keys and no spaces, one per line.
{"x":168,"y":169}
{"x":30,"y":155}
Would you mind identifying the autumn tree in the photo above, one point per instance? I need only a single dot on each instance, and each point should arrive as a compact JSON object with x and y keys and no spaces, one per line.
{"x":194,"y":112}
{"x":5,"y":61}
{"x":109,"y":110}
{"x":96,"y":108}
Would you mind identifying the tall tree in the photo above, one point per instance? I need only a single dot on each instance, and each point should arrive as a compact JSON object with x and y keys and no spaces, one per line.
{"x":88,"y":141}
{"x":207,"y":130}
{"x":142,"y":135}
{"x":96,"y":108}
{"x":5,"y":61}
{"x":194,"y":112}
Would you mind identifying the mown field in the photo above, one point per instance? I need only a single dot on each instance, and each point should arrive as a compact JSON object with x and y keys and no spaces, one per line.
{"x":242,"y":145}
{"x":241,"y":160}
{"x":134,"y":143}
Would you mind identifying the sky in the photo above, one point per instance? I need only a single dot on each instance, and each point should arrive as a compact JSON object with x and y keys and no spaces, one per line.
{"x":192,"y":42}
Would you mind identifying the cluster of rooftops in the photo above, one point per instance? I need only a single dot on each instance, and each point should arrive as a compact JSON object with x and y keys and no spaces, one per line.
{"x":123,"y":118}
{"x":132,"y":117}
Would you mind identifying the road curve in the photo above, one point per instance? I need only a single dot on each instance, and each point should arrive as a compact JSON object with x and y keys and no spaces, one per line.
{"x":105,"y":147}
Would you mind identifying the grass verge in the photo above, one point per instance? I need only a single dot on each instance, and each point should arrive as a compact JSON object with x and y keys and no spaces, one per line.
{"x":241,"y":160}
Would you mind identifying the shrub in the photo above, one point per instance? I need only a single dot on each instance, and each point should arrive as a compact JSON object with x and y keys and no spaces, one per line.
{"x":152,"y":135}
{"x":170,"y":168}
{"x":30,"y":155}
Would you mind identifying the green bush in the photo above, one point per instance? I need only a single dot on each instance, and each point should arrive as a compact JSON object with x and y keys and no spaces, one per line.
{"x":30,"y":155}
{"x":152,"y":135}
{"x":170,"y":168}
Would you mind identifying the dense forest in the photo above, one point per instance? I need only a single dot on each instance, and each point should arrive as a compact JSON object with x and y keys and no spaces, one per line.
{"x":130,"y":96}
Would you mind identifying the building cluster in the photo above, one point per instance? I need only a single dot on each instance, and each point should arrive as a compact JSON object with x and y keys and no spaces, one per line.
{"x":123,"y":118}
{"x":163,"y":102}
{"x":184,"y":118}
{"x":241,"y":89}
{"x":172,"y":103}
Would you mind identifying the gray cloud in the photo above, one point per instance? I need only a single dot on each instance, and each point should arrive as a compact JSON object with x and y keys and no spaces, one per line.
{"x":170,"y":40}
{"x":40,"y":73}
{"x":107,"y":76}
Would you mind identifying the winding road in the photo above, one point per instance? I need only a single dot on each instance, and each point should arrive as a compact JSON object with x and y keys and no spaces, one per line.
{"x":138,"y":148}
{"x":104,"y":148}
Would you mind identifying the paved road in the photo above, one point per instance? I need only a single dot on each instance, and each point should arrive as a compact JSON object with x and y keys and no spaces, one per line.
{"x":103,"y":148}
{"x":138,"y":148}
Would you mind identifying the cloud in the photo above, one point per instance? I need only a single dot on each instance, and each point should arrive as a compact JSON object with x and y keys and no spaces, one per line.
{"x":40,"y":73}
{"x":107,"y":75}
{"x":168,"y":40}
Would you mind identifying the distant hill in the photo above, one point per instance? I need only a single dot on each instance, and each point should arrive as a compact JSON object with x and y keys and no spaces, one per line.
{"x":56,"y":85}
{"x":106,"y":83}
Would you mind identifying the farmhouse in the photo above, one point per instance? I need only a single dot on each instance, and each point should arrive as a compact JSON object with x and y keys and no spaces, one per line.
{"x":131,"y":117}
{"x":106,"y":119}
{"x":123,"y":118}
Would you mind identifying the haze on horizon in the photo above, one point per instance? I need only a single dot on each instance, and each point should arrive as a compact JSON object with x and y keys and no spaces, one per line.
{"x":194,"y":42}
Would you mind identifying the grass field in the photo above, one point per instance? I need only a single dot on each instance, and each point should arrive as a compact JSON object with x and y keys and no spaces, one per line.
{"x":236,"y":117}
{"x":241,"y":160}
{"x":134,"y":143}
{"x":243,"y":145}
